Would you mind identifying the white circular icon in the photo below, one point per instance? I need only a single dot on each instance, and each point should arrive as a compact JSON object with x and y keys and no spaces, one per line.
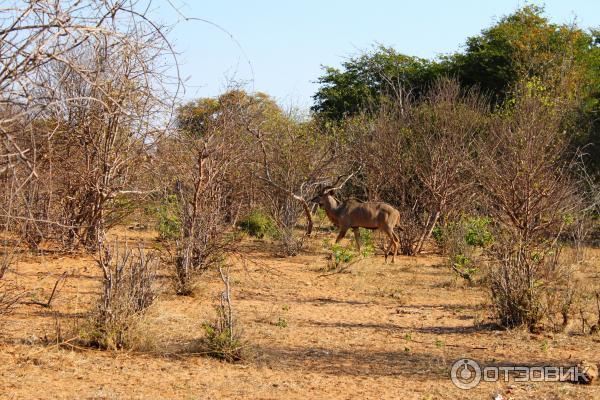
{"x":465,"y":373}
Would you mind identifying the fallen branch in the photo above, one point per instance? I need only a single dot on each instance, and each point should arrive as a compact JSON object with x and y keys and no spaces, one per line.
{"x":49,"y":302}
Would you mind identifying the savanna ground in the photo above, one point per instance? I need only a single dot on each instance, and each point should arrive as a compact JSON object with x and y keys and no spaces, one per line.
{"x":375,"y":331}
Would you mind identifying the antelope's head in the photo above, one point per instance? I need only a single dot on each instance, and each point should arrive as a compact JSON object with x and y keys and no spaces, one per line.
{"x":323,"y":194}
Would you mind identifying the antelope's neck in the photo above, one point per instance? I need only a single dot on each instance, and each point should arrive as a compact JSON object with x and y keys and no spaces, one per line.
{"x":332,"y":209}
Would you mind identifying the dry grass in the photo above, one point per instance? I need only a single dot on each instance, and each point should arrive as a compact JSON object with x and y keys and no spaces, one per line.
{"x":379,"y":331}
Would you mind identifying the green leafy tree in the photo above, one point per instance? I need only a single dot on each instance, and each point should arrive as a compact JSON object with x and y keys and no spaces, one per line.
{"x":231,"y":109}
{"x":525,"y":44}
{"x":522,"y":44}
{"x":365,"y":78}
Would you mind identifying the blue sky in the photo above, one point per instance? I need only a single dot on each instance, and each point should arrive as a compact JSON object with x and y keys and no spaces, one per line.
{"x":280,"y":46}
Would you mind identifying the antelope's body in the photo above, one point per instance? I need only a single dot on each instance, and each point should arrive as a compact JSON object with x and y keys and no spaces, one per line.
{"x":354,"y":214}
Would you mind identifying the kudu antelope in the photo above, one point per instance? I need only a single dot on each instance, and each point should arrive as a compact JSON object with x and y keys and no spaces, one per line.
{"x":356,"y":214}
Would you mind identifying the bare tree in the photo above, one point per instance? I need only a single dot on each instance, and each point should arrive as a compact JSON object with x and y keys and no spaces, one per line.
{"x":201,"y":164}
{"x":82,"y":91}
{"x":295,"y":159}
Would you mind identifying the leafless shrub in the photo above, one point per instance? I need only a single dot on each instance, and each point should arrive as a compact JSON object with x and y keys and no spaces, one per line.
{"x":415,"y":156}
{"x":9,"y":294}
{"x":233,"y":155}
{"x":200,"y":167}
{"x":529,"y":187}
{"x":129,"y":288}
{"x":295,"y":159}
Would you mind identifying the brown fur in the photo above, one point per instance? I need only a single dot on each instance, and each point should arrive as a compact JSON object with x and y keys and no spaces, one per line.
{"x":356,"y":214}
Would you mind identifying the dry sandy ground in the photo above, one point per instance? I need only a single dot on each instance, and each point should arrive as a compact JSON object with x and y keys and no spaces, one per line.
{"x":378,"y":332}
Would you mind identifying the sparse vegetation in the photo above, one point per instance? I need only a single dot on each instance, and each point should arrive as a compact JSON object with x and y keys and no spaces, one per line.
{"x":529,"y":186}
{"x":9,"y":294}
{"x":488,"y":159}
{"x":222,"y":336}
{"x":464,"y":241}
{"x":129,"y":288}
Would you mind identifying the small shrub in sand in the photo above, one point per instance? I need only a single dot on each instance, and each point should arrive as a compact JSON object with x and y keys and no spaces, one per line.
{"x":128,"y":289}
{"x":222,"y":336}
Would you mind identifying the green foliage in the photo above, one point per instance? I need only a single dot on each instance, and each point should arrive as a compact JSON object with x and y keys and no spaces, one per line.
{"x":438,"y":235}
{"x":365,"y":78}
{"x":341,"y":254}
{"x":461,"y":241}
{"x":258,"y":225}
{"x":522,"y":44}
{"x":281,"y":322}
{"x":340,"y":257}
{"x":321,"y":215}
{"x":197,"y":118}
{"x":478,"y":233}
{"x":367,"y":245}
{"x":463,"y":265}
{"x":473,"y":231}
{"x":344,"y":256}
{"x":168,"y":222}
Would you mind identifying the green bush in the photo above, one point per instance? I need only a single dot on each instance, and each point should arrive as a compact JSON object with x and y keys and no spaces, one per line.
{"x":168,"y":221}
{"x":258,"y":225}
{"x":463,"y":265}
{"x":438,"y":235}
{"x":222,"y":343}
{"x":478,"y":234}
{"x":474,"y":231}
{"x":462,"y":242}
{"x":341,"y":255}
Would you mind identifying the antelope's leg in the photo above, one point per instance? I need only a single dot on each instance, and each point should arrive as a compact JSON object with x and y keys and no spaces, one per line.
{"x":387,"y":251}
{"x":357,"y":238}
{"x":341,"y":235}
{"x":390,"y":232}
{"x":396,"y":245}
